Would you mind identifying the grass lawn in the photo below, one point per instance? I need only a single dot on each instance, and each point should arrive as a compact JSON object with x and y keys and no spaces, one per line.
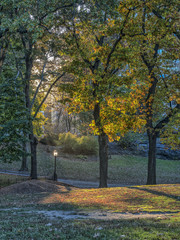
{"x":20,"y":216}
{"x":23,"y":226}
{"x":6,"y":179}
{"x":122,"y":169}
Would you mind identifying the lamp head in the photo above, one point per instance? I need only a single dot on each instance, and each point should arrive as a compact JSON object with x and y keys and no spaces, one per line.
{"x":55,"y":153}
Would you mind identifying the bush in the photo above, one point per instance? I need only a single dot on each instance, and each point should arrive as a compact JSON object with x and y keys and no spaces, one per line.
{"x":128,"y":141}
{"x":78,"y":145}
{"x":50,"y":139}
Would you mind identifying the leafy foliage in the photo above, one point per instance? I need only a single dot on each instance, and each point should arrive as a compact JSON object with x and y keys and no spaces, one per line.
{"x":128,"y":141}
{"x":50,"y":139}
{"x":99,"y":58}
{"x":14,"y":120}
{"x":170,"y":134}
{"x":78,"y":145}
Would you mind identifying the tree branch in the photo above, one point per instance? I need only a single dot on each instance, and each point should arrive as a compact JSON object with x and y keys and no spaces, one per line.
{"x":39,"y":85}
{"x":44,"y":99}
{"x":121,"y":34}
{"x":164,"y":121}
{"x":80,"y":51}
{"x":157,"y":14}
{"x":55,"y":10}
{"x":165,"y":84}
{"x":152,"y":89}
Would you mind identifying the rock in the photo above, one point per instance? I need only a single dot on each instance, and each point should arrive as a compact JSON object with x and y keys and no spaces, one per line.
{"x":140,"y":147}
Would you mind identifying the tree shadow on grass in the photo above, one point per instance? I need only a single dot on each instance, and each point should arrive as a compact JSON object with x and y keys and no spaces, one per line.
{"x":158,"y":193}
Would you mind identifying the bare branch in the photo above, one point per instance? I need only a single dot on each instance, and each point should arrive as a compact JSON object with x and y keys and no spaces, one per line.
{"x":39,"y":85}
{"x":49,"y":90}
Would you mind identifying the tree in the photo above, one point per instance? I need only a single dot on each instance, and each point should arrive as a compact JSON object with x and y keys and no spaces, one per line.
{"x":13,"y":116}
{"x":29,"y":23}
{"x":158,"y":78}
{"x":97,"y":43}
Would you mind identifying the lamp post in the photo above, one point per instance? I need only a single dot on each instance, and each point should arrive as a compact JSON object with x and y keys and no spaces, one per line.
{"x":55,"y":153}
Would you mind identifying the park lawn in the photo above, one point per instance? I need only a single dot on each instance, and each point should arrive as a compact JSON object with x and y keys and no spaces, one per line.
{"x":22,"y":226}
{"x":125,"y":169}
{"x":160,"y":198}
{"x":20,"y":218}
{"x":7,"y":179}
{"x":155,"y":198}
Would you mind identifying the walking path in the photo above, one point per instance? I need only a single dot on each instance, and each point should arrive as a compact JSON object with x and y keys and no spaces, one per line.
{"x":90,"y":214}
{"x":75,"y":183}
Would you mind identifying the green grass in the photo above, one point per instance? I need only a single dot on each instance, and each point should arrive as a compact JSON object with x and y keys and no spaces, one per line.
{"x":19,"y":225}
{"x":20,"y":219}
{"x":153,"y":199}
{"x":122,"y":169}
{"x":6,"y":179}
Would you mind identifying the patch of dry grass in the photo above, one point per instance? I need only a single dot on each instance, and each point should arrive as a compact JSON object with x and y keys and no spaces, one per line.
{"x":159,"y":198}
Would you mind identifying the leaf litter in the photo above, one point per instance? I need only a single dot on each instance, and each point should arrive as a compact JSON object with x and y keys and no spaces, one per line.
{"x":63,"y":193}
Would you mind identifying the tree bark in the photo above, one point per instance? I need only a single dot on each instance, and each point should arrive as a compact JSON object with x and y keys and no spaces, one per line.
{"x":24,"y":166}
{"x":33,"y":145}
{"x":29,"y":64}
{"x":151,"y":179}
{"x":103,"y":149}
{"x":103,"y":160}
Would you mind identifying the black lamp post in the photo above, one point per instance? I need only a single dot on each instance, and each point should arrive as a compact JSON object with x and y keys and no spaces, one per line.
{"x":55,"y":153}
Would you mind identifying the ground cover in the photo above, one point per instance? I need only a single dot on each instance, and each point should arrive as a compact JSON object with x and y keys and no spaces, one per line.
{"x":6,"y":179}
{"x":21,"y":226}
{"x":125,"y":169}
{"x":146,"y":212}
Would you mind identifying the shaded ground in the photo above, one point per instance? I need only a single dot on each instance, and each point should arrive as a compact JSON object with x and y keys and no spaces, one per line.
{"x":51,"y":198}
{"x":47,"y":210}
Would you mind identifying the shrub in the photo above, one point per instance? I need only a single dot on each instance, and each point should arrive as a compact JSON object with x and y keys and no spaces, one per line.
{"x":128,"y":141}
{"x":50,"y":139}
{"x":62,"y":138}
{"x":86,"y":145}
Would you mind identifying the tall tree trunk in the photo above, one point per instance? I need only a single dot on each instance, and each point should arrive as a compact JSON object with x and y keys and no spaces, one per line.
{"x":103,"y":149}
{"x":151,"y":179}
{"x":29,"y":64}
{"x":33,"y":146}
{"x":24,"y":166}
{"x":103,"y":160}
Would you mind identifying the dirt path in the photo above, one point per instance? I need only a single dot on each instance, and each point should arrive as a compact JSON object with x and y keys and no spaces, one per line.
{"x":100,"y":215}
{"x":95,"y":214}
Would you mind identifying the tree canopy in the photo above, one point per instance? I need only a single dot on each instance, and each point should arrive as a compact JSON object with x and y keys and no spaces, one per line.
{"x":119,"y":57}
